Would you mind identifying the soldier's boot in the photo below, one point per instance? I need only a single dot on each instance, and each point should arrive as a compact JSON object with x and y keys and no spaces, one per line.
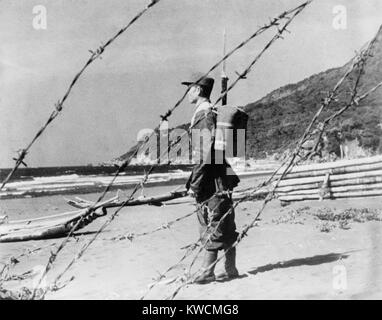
{"x":208,"y":274}
{"x":229,"y":265}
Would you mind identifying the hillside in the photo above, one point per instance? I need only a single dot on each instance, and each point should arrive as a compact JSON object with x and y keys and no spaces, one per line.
{"x":279,"y":119}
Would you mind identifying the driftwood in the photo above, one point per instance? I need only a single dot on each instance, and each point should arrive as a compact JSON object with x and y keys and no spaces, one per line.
{"x":49,"y":226}
{"x":334,"y":189}
{"x":316,"y":185}
{"x":335,"y":195}
{"x":341,"y":179}
{"x":61,"y":224}
{"x":333,"y":165}
{"x":154,"y":200}
{"x":347,"y":176}
{"x":160,"y":199}
{"x":333,"y":171}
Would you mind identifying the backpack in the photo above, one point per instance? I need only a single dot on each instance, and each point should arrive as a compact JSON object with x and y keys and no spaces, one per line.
{"x":231,"y":127}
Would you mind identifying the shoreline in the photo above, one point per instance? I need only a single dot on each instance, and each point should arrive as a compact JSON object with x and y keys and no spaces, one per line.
{"x":67,"y":185}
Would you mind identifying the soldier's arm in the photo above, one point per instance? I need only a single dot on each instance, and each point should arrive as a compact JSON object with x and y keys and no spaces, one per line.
{"x":201,"y":170}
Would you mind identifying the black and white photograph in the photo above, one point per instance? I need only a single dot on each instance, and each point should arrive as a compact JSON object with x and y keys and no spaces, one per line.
{"x":190,"y":150}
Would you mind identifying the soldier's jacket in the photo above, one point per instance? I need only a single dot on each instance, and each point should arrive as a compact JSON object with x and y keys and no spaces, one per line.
{"x":212,"y":172}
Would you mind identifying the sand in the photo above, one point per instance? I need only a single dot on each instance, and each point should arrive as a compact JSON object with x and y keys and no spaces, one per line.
{"x":281,"y":258}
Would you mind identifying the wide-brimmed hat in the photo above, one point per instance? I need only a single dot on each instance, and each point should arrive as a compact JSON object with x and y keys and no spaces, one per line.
{"x":201,"y":80}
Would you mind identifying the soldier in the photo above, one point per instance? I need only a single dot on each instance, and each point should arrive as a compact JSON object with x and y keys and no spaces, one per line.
{"x":211,"y":183}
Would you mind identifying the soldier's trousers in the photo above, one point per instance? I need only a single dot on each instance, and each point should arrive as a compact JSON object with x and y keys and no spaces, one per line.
{"x":222,"y":229}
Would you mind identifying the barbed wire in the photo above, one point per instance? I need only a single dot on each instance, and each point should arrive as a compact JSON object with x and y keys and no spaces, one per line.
{"x":97,"y":53}
{"x":14,"y":260}
{"x":250,"y":194}
{"x":189,"y":251}
{"x":248,"y":69}
{"x":196,"y":244}
{"x":60,"y":104}
{"x":246,"y":229}
{"x":132,"y":236}
{"x":94,"y":55}
{"x":374,"y":89}
{"x":274,"y":22}
{"x":360,"y":62}
{"x":244,"y":74}
{"x":164,"y":118}
{"x":53,"y":255}
{"x":359,"y":98}
{"x":252,"y":63}
{"x":164,"y":226}
{"x":355,"y":100}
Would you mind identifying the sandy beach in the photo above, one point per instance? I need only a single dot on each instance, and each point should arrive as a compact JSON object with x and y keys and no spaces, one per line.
{"x":291,"y":254}
{"x":83,"y":82}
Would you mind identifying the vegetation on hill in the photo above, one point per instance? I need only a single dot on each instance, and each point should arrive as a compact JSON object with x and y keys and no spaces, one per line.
{"x":279,"y":119}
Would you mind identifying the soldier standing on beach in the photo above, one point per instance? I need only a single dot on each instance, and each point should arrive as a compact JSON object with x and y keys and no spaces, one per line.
{"x":211,"y":183}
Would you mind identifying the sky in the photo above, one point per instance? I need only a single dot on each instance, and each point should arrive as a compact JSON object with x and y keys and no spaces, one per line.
{"x":139,"y":75}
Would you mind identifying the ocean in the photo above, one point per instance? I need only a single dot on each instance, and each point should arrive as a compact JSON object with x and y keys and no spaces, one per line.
{"x":34,"y":182}
{"x":45,"y":181}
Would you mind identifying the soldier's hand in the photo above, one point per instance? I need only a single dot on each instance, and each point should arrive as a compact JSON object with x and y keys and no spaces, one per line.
{"x":191,"y":193}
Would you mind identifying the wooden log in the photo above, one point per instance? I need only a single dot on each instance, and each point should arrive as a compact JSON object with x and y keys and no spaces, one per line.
{"x":334,"y":171}
{"x":59,"y":215}
{"x":80,"y":203}
{"x":333,"y":189}
{"x":301,"y":181}
{"x":49,"y":229}
{"x":337,"y":195}
{"x":50,"y":226}
{"x":338,"y":183}
{"x":332,"y":165}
